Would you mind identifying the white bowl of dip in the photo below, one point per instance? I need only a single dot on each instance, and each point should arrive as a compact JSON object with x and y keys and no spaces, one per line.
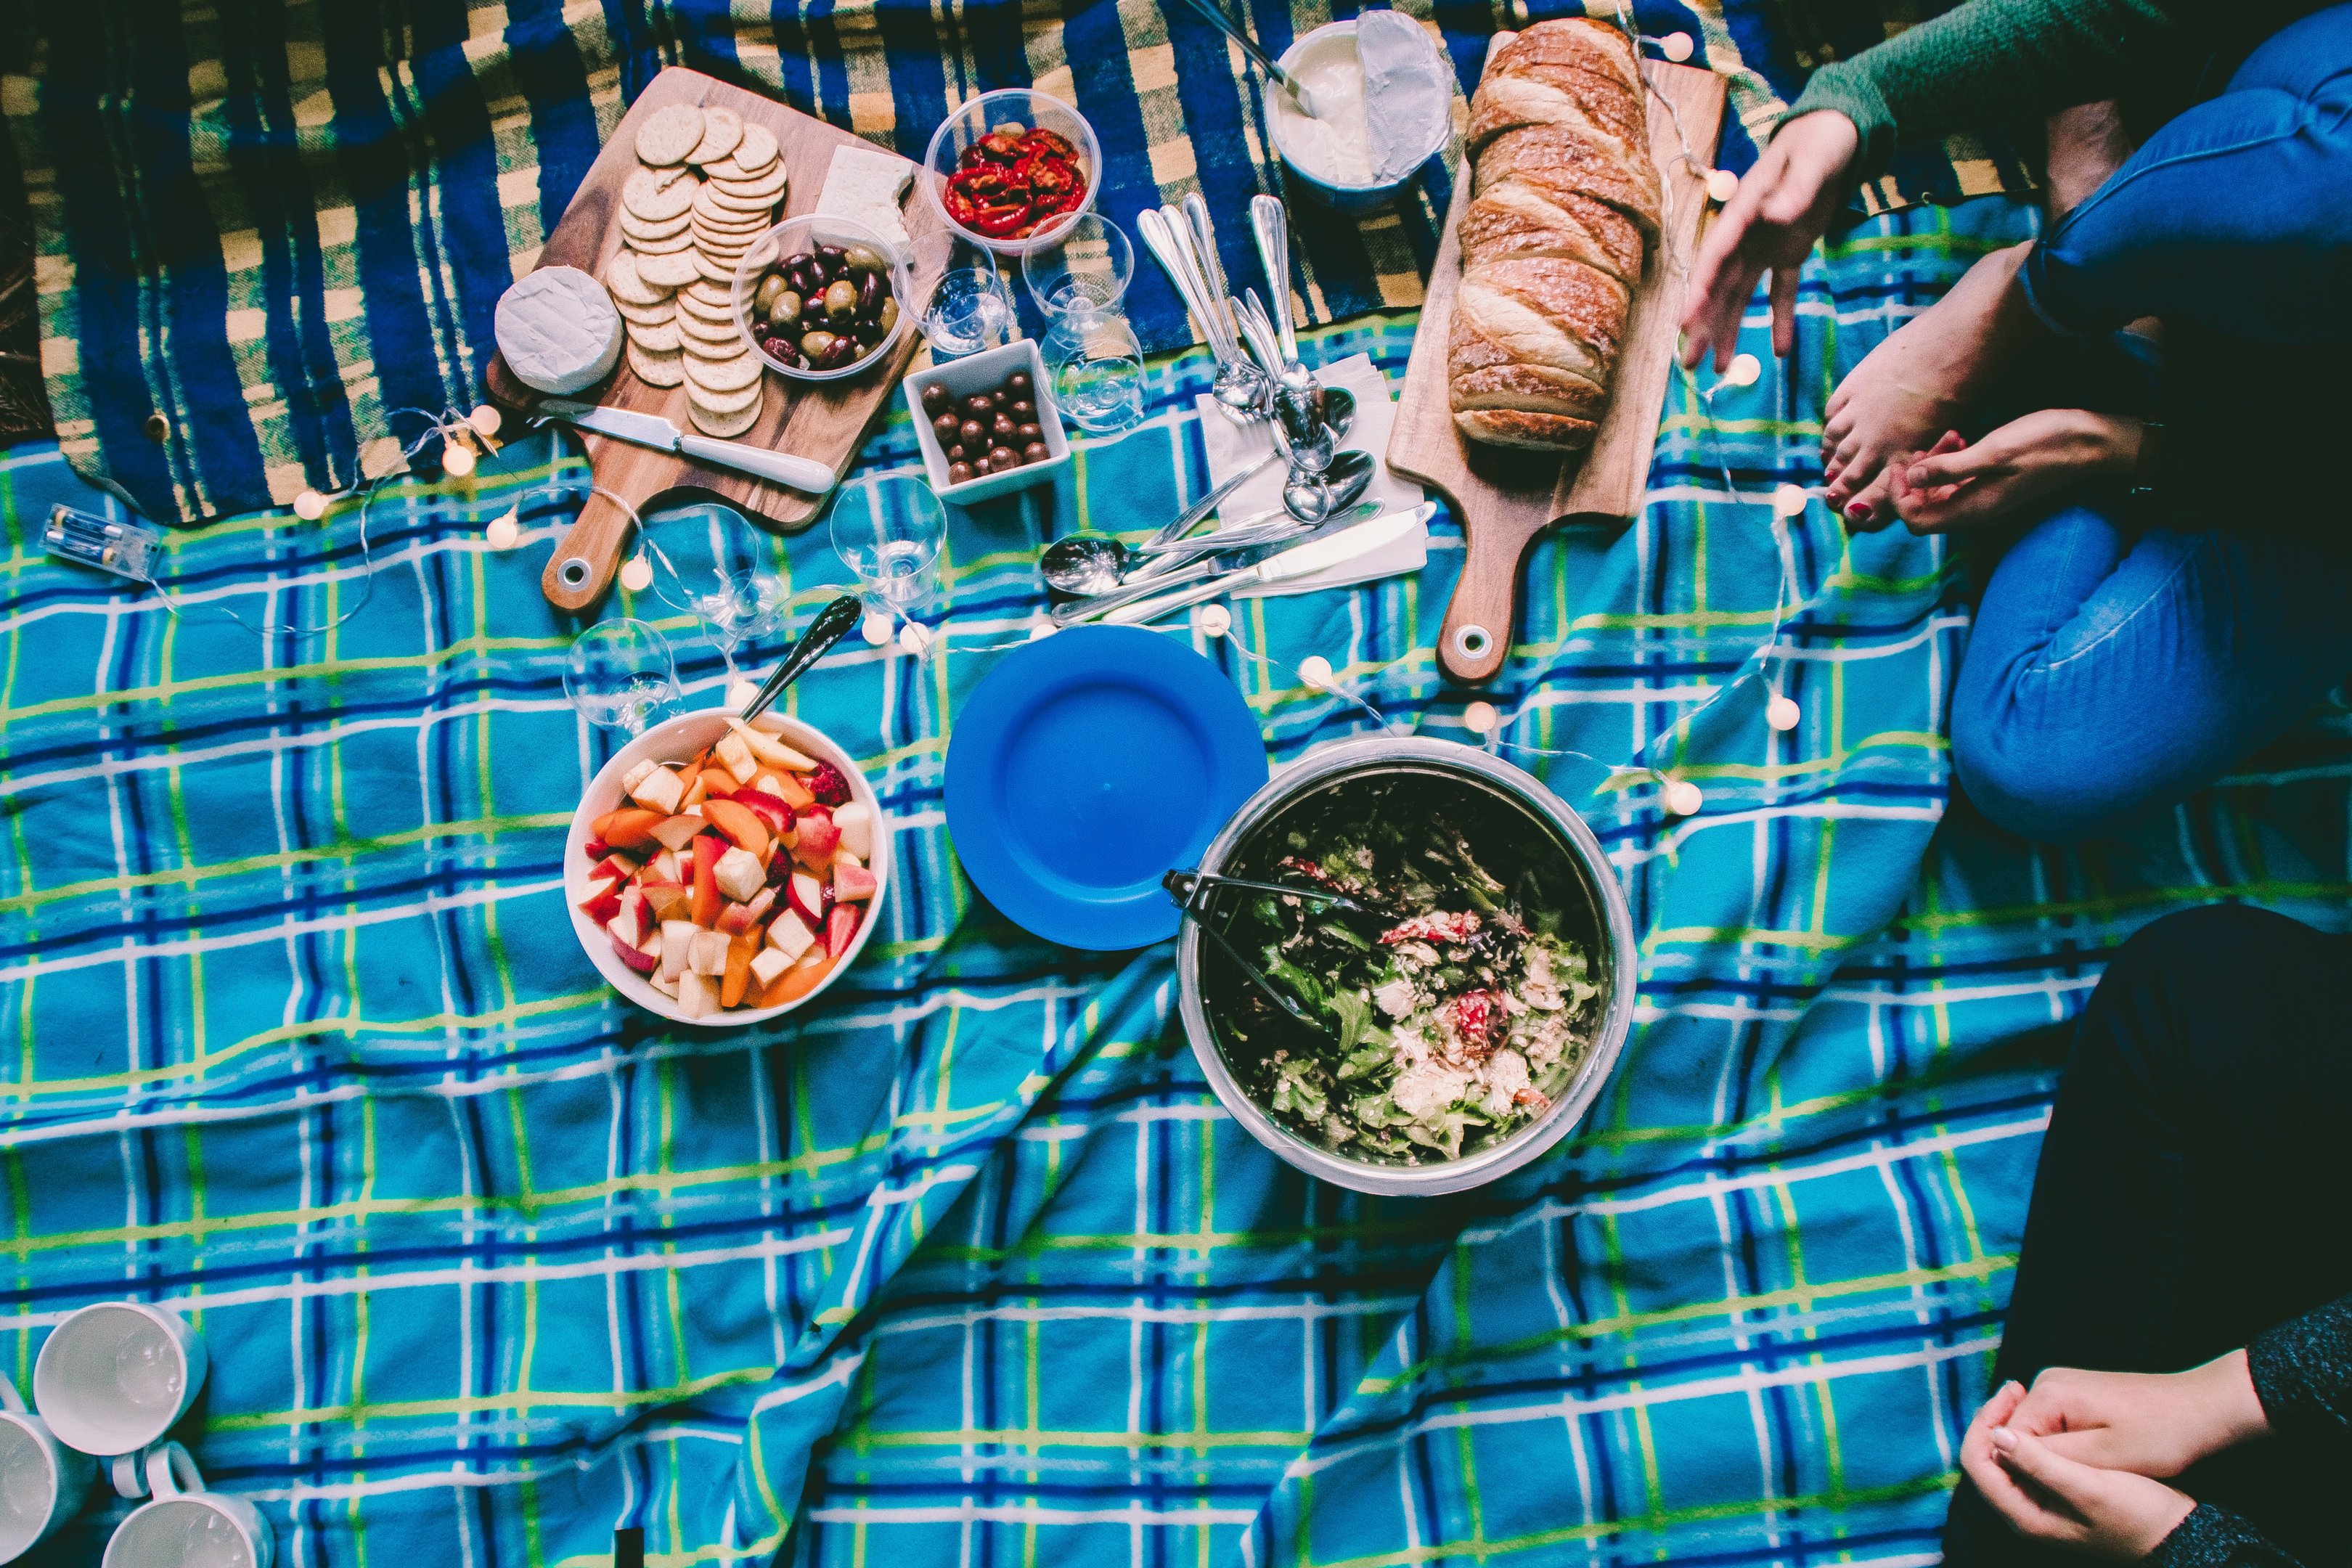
{"x":1329,"y":157}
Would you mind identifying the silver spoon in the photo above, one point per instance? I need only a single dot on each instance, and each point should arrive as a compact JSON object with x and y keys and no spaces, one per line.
{"x":1086,"y":563}
{"x":1289,"y":84}
{"x":1209,"y":564}
{"x":1341,"y":406}
{"x":1311,"y":498}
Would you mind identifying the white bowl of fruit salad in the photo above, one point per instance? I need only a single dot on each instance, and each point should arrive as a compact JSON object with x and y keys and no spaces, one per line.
{"x":723,"y":873}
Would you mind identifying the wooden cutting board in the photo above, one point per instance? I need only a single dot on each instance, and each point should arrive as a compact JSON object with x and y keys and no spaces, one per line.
{"x":824,"y":421}
{"x":1505,"y":497}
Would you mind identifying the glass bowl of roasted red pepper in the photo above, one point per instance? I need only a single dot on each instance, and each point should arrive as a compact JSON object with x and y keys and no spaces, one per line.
{"x":1011,"y":168}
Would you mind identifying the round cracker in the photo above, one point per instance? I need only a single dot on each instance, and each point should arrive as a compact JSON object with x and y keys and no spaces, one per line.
{"x":633,"y":227}
{"x":621,"y":277}
{"x":769,"y":182}
{"x":717,"y":269}
{"x":657,"y":369}
{"x":669,"y":134}
{"x":715,"y":203}
{"x":734,"y":238}
{"x":706,"y":311}
{"x":724,"y":426}
{"x":711,"y":212}
{"x":724,"y":374}
{"x":711,"y":293}
{"x":663,"y":339}
{"x":722,"y":133}
{"x":655,"y":195}
{"x":669,"y":270}
{"x":661,"y":247}
{"x":726,"y":402}
{"x":648,"y":315}
{"x":756,"y":150}
{"x":719,"y":336}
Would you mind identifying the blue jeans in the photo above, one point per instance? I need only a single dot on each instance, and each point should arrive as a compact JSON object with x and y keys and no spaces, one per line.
{"x":2191,"y":1193}
{"x":2116,"y":668}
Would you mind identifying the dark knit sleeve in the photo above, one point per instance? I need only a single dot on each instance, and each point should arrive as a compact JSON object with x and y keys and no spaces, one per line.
{"x":2215,"y":1538}
{"x":2302,"y":1371}
{"x":1983,"y":62}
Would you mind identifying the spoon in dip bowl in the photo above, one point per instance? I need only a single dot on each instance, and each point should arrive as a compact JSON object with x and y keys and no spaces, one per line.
{"x":1289,"y":84}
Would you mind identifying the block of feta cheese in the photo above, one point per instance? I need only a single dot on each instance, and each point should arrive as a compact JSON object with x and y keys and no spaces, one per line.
{"x":866,"y":185}
{"x":558,"y":331}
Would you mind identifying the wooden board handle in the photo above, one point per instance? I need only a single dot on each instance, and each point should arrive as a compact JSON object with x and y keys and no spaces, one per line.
{"x":586,"y":557}
{"x":1477,"y":635}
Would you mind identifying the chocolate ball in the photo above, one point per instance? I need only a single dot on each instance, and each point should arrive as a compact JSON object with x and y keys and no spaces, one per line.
{"x":974,"y":433}
{"x":1003,"y":426}
{"x":948,"y":428}
{"x":1021,"y":408}
{"x":958,"y":472}
{"x":982,"y":468}
{"x":956,"y":453}
{"x":937,"y":400}
{"x":1003,"y":458}
{"x":1035,"y":452}
{"x":979,"y":406}
{"x":1017,"y":383}
{"x":1031,"y":433}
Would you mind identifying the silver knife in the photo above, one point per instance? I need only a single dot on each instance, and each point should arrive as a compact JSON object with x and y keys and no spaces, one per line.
{"x":653,"y":430}
{"x":1299,"y":561}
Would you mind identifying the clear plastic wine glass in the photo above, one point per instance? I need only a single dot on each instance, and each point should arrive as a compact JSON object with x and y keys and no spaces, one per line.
{"x":621,"y":675}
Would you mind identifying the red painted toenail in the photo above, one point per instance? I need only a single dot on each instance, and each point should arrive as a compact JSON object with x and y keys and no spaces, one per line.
{"x":1859,"y":512}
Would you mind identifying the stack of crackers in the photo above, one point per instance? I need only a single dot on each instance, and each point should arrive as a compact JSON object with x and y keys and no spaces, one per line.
{"x":682,"y":234}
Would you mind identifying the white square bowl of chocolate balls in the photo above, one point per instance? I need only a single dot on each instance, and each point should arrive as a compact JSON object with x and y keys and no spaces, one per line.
{"x":985,"y":426}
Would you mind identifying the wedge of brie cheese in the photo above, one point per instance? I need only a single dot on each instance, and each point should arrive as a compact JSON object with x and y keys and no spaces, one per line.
{"x":867,"y":186}
{"x":558,"y":331}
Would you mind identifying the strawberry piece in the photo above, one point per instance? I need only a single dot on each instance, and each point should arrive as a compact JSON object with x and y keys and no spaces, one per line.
{"x":840,"y":930}
{"x":827,"y":785}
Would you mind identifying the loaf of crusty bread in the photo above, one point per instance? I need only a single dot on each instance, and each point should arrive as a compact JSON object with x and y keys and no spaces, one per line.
{"x":1564,"y":206}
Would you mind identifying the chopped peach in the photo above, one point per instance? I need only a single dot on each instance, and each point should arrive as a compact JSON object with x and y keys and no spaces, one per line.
{"x":707,"y":898}
{"x":740,"y":951}
{"x":797,"y":983}
{"x":740,"y":823}
{"x":630,"y":829}
{"x":795,"y":794}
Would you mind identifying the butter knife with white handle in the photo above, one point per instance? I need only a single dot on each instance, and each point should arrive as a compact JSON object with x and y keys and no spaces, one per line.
{"x":1304,"y":561}
{"x":653,"y":430}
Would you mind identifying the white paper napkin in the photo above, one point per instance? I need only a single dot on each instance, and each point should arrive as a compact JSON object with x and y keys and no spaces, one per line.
{"x":1232,"y":448}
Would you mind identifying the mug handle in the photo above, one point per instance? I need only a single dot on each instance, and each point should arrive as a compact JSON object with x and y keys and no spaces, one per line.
{"x":171,"y":1471}
{"x":10,"y":1399}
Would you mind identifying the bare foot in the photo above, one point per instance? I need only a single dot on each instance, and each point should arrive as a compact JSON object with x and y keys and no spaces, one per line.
{"x":1911,"y":388}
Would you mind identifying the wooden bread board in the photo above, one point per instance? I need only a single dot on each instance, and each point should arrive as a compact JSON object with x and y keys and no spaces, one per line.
{"x":1505,"y":497}
{"x":824,"y":421}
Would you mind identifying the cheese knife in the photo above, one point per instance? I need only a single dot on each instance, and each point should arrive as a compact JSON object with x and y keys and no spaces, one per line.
{"x":653,"y":430}
{"x":1299,"y":561}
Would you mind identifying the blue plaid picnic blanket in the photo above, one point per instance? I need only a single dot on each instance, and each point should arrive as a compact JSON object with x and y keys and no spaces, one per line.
{"x":966,"y":1264}
{"x":262,"y":232}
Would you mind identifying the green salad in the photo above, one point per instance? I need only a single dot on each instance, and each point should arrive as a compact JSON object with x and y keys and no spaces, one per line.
{"x":1442,"y":1023}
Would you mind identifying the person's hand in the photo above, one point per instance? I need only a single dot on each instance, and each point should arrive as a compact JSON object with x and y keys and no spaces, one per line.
{"x":1783,"y":205}
{"x":2153,"y":1423}
{"x":2045,"y":1496}
{"x":2026,"y":462}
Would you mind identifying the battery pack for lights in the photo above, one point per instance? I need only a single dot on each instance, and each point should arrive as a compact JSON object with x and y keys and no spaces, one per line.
{"x":121,"y":548}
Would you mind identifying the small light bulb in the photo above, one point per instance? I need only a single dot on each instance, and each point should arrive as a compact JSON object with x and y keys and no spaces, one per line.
{"x":1722,"y":185}
{"x":1683,"y":798}
{"x":1315,"y":672}
{"x":914,"y":637}
{"x":1744,"y":371}
{"x":1212,"y":620}
{"x":1788,"y":500}
{"x":457,"y":459}
{"x":1676,"y":47}
{"x":875,"y":628}
{"x":636,"y":573}
{"x":485,"y":420}
{"x":1781,"y":713}
{"x":309,"y":506}
{"x":741,"y":694}
{"x":1482,"y":718}
{"x":502,"y":533}
{"x":1043,"y":630}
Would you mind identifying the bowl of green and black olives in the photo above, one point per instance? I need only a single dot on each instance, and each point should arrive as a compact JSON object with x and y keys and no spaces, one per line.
{"x":821,"y":298}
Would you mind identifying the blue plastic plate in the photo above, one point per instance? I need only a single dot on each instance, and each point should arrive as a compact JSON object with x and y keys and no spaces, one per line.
{"x":1087,"y":765}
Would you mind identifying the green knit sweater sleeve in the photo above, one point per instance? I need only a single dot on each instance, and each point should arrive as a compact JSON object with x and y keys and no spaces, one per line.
{"x":1985,"y":62}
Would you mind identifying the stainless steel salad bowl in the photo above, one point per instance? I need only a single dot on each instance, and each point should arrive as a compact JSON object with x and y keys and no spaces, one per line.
{"x":1610,"y":961}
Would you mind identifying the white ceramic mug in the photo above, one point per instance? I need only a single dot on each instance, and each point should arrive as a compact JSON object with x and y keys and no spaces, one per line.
{"x":112,"y":1378}
{"x":42,"y":1481}
{"x":186,"y":1526}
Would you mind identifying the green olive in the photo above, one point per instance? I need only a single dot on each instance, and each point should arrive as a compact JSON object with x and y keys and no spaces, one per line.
{"x":862,"y":259}
{"x":786,"y":312}
{"x":814,"y":344}
{"x":763,"y":303}
{"x":888,"y":315}
{"x":841,"y":299}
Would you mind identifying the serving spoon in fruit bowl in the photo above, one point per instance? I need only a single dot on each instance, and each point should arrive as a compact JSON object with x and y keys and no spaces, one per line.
{"x":832,"y":623}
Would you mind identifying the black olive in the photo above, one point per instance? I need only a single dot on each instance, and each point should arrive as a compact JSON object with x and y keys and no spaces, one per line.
{"x":843,"y":351}
{"x":869,"y":295}
{"x":798,"y":257}
{"x":867,"y":333}
{"x":974,"y":433}
{"x":947,"y":427}
{"x":958,"y":472}
{"x":836,"y":254}
{"x":937,"y":399}
{"x":1036,"y":452}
